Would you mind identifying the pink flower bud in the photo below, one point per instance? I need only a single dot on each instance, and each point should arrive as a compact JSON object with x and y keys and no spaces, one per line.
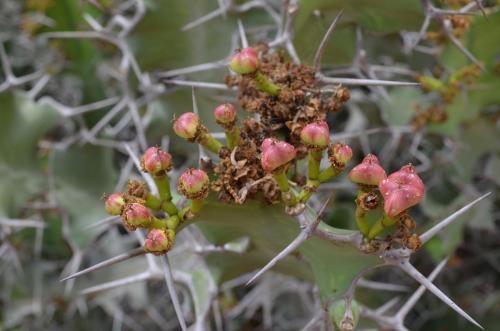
{"x":193,"y":184}
{"x":136,"y":215}
{"x":156,"y":161}
{"x":225,"y":114}
{"x":316,"y":135}
{"x":401,"y":190}
{"x":339,"y":155}
{"x":114,"y":204}
{"x":158,"y":241}
{"x":368,"y":172}
{"x":245,"y":61}
{"x":187,"y":125}
{"x":275,"y":154}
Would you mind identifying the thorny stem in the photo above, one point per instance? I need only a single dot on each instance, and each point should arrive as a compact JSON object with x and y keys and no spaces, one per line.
{"x":265,"y":84}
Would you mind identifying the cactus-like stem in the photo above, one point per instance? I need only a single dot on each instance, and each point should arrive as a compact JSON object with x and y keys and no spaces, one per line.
{"x":380,"y":225}
{"x":265,"y":84}
{"x":210,"y":143}
{"x":328,"y":174}
{"x":314,"y":157}
{"x":232,"y":137}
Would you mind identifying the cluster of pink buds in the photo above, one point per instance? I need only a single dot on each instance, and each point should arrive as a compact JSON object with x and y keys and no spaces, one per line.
{"x":397,"y":192}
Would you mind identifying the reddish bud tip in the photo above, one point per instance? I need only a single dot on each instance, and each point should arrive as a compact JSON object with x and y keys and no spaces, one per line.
{"x":136,"y":215}
{"x":187,"y":125}
{"x":245,"y":61}
{"x":368,"y":172}
{"x":114,"y":204}
{"x":275,"y":154}
{"x":193,"y":184}
{"x":156,"y":161}
{"x":339,"y":155}
{"x":159,"y":242}
{"x":401,"y":190}
{"x":225,"y":114}
{"x":316,"y":135}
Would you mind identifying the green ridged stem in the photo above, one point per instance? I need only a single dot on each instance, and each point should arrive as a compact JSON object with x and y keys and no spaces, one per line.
{"x":266,"y":85}
{"x":380,"y":225}
{"x":328,"y":174}
{"x":232,"y":137}
{"x":314,"y":157}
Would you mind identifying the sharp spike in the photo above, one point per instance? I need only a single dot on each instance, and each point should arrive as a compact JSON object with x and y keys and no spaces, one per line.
{"x":213,"y":86}
{"x":169,"y":279}
{"x":243,"y":36}
{"x":119,"y":258}
{"x":461,"y":47}
{"x":387,"y":306}
{"x":213,"y":14}
{"x":104,"y":221}
{"x":415,"y":274}
{"x":365,"y":82}
{"x":322,"y":45}
{"x":381,"y":286}
{"x":195,"y":104}
{"x":117,"y":283}
{"x":448,"y":220}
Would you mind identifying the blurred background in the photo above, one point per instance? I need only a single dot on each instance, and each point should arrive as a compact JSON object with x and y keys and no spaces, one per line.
{"x":87,"y":85}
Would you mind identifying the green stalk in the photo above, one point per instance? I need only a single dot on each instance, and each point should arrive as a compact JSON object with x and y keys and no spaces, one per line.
{"x":232,"y":137}
{"x":314,"y":157}
{"x":282,"y":180}
{"x":210,"y":143}
{"x":266,"y":85}
{"x":152,"y":202}
{"x":158,"y":224}
{"x":163,"y":185}
{"x":169,"y":207}
{"x":380,"y":225}
{"x":196,"y":206}
{"x":328,"y":174}
{"x":308,"y":190}
{"x":173,"y":222}
{"x":361,"y":220}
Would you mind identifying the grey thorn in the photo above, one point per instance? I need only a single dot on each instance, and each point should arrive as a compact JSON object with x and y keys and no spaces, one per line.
{"x":195,"y":103}
{"x":169,"y":279}
{"x":426,"y":236}
{"x":243,"y":36}
{"x":119,"y":258}
{"x":415,"y":274}
{"x":322,"y":45}
{"x":460,"y":46}
{"x":117,"y":283}
{"x":104,"y":221}
{"x":408,"y":305}
{"x":364,"y":82}
{"x":381,"y":286}
{"x":208,"y":85}
{"x":203,"y":19}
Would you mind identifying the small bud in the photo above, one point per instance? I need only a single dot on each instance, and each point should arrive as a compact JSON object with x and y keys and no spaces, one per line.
{"x":401,"y":190}
{"x":275,"y":154}
{"x":339,"y":155}
{"x":136,"y":215}
{"x":114,"y":204}
{"x":368,"y":172}
{"x":193,"y":184}
{"x":316,"y":135}
{"x":158,"y":241}
{"x":343,"y":319}
{"x":156,"y":161}
{"x":225,"y":114}
{"x":245,"y":61}
{"x":186,"y":126}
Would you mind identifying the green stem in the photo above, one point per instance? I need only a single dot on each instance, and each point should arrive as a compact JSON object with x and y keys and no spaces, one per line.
{"x":232,"y":137}
{"x":169,"y":207}
{"x":282,"y":180}
{"x":163,"y":185}
{"x":152,"y":202}
{"x":210,"y":143}
{"x":173,"y":222}
{"x":314,"y":157}
{"x":328,"y":174}
{"x":308,"y":190}
{"x":158,"y":224}
{"x":361,"y":221}
{"x":265,"y":84}
{"x":380,"y":225}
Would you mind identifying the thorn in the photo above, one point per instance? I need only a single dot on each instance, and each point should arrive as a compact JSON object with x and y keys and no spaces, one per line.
{"x":415,"y":274}
{"x":408,"y":305}
{"x":116,"y":283}
{"x":195,"y":104}
{"x":364,"y":82}
{"x":387,"y":306}
{"x":461,"y":48}
{"x":448,"y":220}
{"x":243,"y":37}
{"x":119,"y":258}
{"x":381,"y":286}
{"x":481,"y":8}
{"x":322,"y":45}
{"x":214,"y":86}
{"x":213,"y":14}
{"x":104,"y":221}
{"x":169,"y":279}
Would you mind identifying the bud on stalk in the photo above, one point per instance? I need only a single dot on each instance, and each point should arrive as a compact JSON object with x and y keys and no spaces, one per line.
{"x":194,"y":185}
{"x":114,"y":204}
{"x":159,"y":241}
{"x":189,"y":127}
{"x":225,"y":116}
{"x":136,"y":215}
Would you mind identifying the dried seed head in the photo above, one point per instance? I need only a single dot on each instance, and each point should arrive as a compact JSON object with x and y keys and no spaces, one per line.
{"x":225,"y":114}
{"x":187,"y":125}
{"x":345,"y":320}
{"x":159,"y":241}
{"x":156,"y":161}
{"x":245,"y":61}
{"x":316,"y":135}
{"x":193,"y":184}
{"x":275,"y":154}
{"x":401,"y":190}
{"x":339,"y":155}
{"x":136,"y":215}
{"x":368,"y":172}
{"x":114,"y":204}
